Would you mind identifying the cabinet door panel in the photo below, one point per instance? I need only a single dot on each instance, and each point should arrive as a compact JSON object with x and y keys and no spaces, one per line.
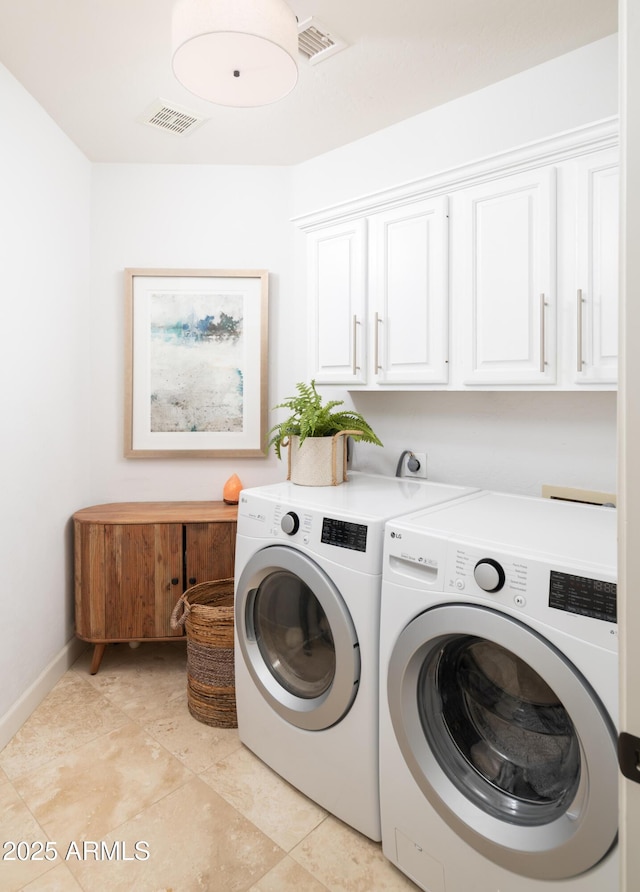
{"x":129,"y":590}
{"x":598,"y":265}
{"x":137,"y":582}
{"x":168,"y":576}
{"x":337,"y":272}
{"x":506,"y":276}
{"x":210,"y":551}
{"x":409,"y":290}
{"x":504,"y":303}
{"x":89,"y":579}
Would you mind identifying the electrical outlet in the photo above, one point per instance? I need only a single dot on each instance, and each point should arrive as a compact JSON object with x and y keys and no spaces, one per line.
{"x":422,"y":470}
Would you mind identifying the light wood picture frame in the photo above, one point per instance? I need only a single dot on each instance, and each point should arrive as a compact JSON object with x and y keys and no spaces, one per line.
{"x":196,"y":363}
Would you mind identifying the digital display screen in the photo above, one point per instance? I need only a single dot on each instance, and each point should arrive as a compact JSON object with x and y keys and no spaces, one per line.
{"x":587,"y":597}
{"x":344,"y":534}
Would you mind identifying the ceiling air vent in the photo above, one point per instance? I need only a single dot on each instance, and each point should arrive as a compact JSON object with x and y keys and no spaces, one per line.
{"x":317,"y":42}
{"x":171,"y":118}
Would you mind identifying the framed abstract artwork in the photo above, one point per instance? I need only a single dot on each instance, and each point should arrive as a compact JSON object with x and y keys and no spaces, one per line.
{"x":196,"y":363}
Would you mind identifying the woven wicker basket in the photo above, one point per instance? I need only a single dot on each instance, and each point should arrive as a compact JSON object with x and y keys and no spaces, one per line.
{"x":206,"y":612}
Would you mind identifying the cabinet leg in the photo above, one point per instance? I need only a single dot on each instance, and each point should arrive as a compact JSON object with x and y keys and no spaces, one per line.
{"x":98,"y":653}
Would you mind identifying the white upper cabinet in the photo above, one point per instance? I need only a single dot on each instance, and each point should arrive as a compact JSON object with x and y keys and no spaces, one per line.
{"x":597,"y":262}
{"x":378,"y":289}
{"x":408,"y":293}
{"x":503,"y":253}
{"x":498,"y":275}
{"x":336,"y":263}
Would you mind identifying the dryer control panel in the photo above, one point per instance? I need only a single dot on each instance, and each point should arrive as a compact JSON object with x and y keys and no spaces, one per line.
{"x":322,"y":534}
{"x":344,"y":534}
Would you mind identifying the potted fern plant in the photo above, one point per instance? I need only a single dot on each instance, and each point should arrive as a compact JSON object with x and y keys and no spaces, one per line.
{"x":316,"y":436}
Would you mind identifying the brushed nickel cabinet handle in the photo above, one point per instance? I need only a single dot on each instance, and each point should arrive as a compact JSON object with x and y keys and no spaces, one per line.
{"x":355,"y":344}
{"x":579,"y":308}
{"x":542,"y":333}
{"x":376,"y":343}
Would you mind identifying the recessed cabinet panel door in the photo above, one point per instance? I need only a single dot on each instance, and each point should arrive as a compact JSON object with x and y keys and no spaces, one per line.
{"x":337,"y":281}
{"x":506,"y":273}
{"x":598,"y":262}
{"x":210,"y":551}
{"x":408,"y":248}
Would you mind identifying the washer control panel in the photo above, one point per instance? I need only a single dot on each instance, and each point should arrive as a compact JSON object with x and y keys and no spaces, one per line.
{"x":470,"y":570}
{"x":489,"y":575}
{"x":290,"y":523}
{"x":584,"y":596}
{"x":572,"y":592}
{"x":569,"y":601}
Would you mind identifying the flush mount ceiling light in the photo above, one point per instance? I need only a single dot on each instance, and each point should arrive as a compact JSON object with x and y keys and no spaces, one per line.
{"x":235,"y":52}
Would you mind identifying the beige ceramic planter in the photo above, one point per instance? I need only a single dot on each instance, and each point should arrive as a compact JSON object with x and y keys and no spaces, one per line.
{"x":319,"y":461}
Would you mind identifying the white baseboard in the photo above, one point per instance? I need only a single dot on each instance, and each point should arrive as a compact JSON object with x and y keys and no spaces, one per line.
{"x":17,"y":715}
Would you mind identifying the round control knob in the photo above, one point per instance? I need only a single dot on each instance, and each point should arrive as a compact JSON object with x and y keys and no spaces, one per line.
{"x":489,"y":575}
{"x":290,"y":523}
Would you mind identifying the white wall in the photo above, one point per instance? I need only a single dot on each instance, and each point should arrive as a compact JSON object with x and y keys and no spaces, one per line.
{"x":507,"y":441}
{"x":44,"y":446}
{"x":512,"y":442}
{"x":172,"y":216}
{"x":568,"y":92}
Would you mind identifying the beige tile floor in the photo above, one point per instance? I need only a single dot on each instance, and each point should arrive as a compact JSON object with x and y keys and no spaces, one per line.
{"x":132,"y":793}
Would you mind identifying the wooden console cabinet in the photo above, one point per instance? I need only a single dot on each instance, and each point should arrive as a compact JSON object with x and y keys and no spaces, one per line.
{"x":133,"y":560}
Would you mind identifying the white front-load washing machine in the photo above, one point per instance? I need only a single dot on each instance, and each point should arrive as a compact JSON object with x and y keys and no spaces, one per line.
{"x":499,"y":687}
{"x":307,"y":618}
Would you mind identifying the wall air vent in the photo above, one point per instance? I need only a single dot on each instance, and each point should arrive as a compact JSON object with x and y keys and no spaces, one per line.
{"x":172,"y":118}
{"x":317,"y":42}
{"x":571,"y":494}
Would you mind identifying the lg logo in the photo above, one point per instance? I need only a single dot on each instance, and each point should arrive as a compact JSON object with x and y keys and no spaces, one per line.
{"x":395,"y":535}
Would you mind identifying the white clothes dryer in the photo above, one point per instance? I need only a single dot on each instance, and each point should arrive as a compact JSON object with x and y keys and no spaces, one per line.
{"x":307,"y":617}
{"x":499,"y":687}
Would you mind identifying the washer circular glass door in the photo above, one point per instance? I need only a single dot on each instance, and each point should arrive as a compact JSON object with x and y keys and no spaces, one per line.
{"x":506,"y":739}
{"x":297,"y":638}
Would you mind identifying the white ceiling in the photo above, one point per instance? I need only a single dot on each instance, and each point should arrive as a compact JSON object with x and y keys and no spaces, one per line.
{"x":97,"y":66}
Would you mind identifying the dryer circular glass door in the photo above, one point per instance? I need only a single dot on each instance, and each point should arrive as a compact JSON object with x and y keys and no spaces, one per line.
{"x":297,"y":638}
{"x":506,"y":739}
